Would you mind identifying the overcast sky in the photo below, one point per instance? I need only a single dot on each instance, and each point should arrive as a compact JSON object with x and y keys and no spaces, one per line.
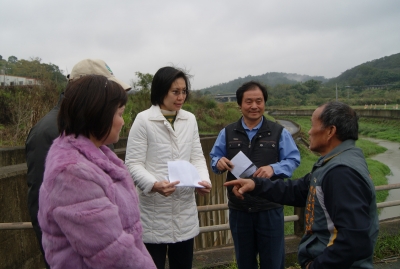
{"x":216,"y":40}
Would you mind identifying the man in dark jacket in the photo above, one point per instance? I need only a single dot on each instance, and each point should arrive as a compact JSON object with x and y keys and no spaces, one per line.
{"x":41,"y":137}
{"x":341,"y":220}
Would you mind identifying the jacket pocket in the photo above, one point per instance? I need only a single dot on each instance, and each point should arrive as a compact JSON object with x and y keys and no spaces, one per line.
{"x":235,"y":144}
{"x":267,"y":144}
{"x":266,"y":149}
{"x":310,"y":248}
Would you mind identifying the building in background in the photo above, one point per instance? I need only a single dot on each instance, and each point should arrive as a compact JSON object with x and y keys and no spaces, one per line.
{"x":6,"y":80}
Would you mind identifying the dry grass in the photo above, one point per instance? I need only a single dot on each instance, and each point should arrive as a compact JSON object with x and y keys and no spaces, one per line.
{"x":21,"y":108}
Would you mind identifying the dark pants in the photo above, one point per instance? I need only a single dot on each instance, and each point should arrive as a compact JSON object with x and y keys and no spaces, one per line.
{"x":259,"y":233}
{"x":180,"y":254}
{"x":38,"y":233}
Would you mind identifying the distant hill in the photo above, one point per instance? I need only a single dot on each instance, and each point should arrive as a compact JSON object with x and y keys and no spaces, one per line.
{"x":271,"y":79}
{"x":385,"y":70}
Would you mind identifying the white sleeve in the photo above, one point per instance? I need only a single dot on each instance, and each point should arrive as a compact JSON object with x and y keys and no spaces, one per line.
{"x":136,"y":151}
{"x":197,"y":156}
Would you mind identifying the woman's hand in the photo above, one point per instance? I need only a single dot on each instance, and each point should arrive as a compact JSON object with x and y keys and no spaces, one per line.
{"x":205,"y":190}
{"x":165,"y":187}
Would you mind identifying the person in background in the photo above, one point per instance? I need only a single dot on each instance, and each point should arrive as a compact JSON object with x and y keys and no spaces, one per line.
{"x":89,"y":212}
{"x":341,"y":220}
{"x":41,"y":137}
{"x":162,"y":133}
{"x":256,"y":224}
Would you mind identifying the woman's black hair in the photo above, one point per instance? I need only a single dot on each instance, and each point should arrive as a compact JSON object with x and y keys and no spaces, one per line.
{"x":89,"y":106}
{"x":162,"y":82}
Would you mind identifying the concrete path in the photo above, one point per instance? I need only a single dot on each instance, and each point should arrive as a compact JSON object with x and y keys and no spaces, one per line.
{"x":292,"y":128}
{"x":391,"y":263}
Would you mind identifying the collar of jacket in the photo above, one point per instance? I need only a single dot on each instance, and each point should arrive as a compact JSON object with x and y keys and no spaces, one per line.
{"x":155,"y":114}
{"x":345,"y":145}
{"x":103,"y":157}
{"x":264,"y":128}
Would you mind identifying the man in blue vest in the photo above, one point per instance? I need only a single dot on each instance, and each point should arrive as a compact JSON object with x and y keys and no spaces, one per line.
{"x":256,"y":224}
{"x":341,"y":220}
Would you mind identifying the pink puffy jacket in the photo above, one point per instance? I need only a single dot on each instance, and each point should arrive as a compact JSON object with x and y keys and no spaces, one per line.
{"x":88,"y":209}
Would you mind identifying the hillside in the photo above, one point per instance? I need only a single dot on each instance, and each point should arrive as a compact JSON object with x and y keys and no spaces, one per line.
{"x":385,"y":70}
{"x":271,"y":79}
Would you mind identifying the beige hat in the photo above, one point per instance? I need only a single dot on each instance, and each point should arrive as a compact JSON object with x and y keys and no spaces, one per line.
{"x":95,"y":67}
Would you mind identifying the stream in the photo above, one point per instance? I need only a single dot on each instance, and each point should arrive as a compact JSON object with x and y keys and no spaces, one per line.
{"x":391,"y":158}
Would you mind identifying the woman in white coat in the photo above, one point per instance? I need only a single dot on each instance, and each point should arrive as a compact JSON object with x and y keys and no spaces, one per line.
{"x":163,"y":133}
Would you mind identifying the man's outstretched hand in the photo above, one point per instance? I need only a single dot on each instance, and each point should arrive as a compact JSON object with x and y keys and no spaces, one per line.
{"x":240,"y":186}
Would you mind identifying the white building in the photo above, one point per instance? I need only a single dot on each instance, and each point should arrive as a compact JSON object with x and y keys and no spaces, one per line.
{"x":7,"y":80}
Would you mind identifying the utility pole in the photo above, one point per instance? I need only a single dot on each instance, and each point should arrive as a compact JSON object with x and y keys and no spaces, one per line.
{"x":336,"y":92}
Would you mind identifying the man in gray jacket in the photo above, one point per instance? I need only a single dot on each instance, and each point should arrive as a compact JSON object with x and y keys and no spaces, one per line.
{"x":341,"y":220}
{"x":41,"y":137}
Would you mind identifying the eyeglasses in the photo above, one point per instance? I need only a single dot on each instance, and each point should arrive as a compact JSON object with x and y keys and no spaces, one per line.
{"x":177,"y":93}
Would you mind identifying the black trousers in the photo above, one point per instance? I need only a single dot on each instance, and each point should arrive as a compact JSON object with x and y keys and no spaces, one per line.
{"x":180,"y":254}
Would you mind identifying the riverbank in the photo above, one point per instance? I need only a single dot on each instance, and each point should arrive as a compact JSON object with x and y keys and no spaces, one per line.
{"x":391,"y":157}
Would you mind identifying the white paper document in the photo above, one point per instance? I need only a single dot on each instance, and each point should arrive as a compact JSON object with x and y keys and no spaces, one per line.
{"x":185,"y":172}
{"x":242,"y":166}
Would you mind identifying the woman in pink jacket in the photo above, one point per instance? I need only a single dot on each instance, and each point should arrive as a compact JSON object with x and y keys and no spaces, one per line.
{"x":88,"y":207}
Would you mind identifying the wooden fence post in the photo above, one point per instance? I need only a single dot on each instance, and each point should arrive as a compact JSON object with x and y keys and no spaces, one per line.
{"x":299,"y":225}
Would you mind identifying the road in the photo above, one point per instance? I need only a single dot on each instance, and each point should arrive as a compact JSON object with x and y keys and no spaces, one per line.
{"x":292,"y":128}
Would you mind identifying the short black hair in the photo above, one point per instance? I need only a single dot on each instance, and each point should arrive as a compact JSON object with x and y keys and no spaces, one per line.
{"x":250,"y":86}
{"x":162,"y":82}
{"x":89,"y":105}
{"x":343,"y":117}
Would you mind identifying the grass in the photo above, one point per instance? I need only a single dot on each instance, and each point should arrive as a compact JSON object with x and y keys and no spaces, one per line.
{"x":369,"y":148}
{"x":380,"y":128}
{"x":386,"y":129}
{"x":388,"y":245}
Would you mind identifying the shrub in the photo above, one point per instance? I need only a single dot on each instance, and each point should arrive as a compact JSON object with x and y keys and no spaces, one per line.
{"x":24,"y":107}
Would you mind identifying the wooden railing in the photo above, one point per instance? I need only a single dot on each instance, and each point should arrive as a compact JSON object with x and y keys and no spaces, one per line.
{"x":299,"y":212}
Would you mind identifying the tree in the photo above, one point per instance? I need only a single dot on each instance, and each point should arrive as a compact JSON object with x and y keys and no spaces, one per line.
{"x":12,"y":59}
{"x":33,"y":68}
{"x":312,"y":85}
{"x":144,"y":82}
{"x":138,"y":101}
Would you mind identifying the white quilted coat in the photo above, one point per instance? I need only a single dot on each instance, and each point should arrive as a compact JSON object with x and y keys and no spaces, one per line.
{"x":151,"y":143}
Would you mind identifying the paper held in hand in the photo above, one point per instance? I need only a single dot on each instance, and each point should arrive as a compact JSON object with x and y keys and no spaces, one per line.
{"x":185,"y":172}
{"x":242,"y":166}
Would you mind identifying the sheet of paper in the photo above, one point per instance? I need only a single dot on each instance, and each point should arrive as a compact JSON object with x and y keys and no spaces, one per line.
{"x":185,"y":172}
{"x":242,"y":166}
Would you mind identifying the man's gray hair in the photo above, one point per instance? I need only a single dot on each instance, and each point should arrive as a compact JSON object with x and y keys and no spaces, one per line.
{"x":343,"y":117}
